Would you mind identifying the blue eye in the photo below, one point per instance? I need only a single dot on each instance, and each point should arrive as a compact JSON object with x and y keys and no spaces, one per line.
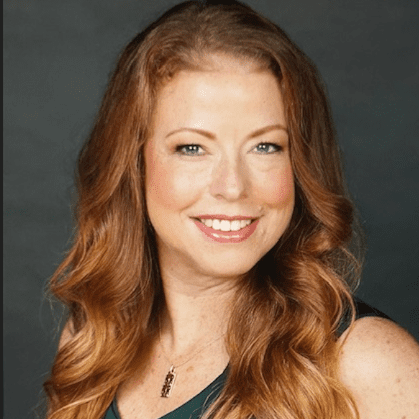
{"x":190,"y":150}
{"x":267,"y":148}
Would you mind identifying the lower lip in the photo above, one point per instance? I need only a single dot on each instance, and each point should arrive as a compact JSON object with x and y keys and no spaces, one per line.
{"x":228,"y":236}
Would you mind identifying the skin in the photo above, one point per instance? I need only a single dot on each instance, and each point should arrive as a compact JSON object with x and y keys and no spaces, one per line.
{"x":379,"y":364}
{"x":231,"y":173}
{"x":240,"y":171}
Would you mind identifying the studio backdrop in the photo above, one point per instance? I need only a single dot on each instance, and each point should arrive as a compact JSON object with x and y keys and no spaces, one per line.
{"x":57,"y":59}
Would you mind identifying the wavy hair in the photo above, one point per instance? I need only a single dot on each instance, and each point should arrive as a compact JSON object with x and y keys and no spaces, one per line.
{"x":282,"y":337}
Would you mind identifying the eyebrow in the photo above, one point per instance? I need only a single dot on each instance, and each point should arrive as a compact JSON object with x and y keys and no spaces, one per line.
{"x":212,"y":136}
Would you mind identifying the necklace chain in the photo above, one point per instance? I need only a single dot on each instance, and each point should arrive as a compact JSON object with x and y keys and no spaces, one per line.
{"x":190,"y":358}
{"x":170,"y":378}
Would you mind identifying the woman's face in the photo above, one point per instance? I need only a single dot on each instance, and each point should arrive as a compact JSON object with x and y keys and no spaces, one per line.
{"x":219,"y":182}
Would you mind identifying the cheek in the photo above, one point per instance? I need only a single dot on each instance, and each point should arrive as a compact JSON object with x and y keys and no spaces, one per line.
{"x":276,"y":189}
{"x":167,"y":185}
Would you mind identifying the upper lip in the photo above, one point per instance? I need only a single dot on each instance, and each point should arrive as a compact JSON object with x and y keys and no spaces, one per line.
{"x":224,"y":217}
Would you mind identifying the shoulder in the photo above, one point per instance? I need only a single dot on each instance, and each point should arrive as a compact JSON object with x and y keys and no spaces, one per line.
{"x":379,"y":364}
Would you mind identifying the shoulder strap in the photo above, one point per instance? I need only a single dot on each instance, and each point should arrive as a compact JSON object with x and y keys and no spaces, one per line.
{"x":362,"y":310}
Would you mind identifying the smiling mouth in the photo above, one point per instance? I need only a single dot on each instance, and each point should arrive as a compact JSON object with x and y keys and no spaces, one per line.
{"x":225,"y":225}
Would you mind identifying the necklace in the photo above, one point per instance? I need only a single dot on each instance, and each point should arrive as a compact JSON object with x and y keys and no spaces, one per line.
{"x":170,"y":378}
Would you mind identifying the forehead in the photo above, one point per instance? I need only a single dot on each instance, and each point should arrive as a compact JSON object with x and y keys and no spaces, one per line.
{"x":227,"y":95}
{"x":217,"y":78}
{"x":211,"y":63}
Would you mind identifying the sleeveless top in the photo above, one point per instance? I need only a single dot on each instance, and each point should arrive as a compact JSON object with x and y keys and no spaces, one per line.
{"x":196,"y":407}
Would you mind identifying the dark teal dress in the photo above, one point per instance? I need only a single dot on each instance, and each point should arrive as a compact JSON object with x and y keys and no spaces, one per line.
{"x":193,"y":409}
{"x":196,"y":407}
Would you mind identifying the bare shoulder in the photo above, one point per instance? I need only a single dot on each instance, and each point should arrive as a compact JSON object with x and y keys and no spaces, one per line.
{"x":379,"y":364}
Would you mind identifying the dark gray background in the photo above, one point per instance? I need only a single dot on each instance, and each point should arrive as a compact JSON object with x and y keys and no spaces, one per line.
{"x":57,"y":58}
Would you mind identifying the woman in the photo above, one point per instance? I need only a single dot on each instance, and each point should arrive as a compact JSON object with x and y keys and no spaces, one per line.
{"x":213,"y":265}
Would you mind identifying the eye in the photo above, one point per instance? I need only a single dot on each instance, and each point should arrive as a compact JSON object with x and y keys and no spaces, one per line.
{"x":267,"y":148}
{"x":190,"y":150}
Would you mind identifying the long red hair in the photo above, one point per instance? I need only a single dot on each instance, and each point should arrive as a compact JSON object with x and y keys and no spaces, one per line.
{"x":282,"y":333}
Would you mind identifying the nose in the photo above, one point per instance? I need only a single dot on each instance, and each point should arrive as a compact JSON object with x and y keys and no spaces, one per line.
{"x":229,"y":179}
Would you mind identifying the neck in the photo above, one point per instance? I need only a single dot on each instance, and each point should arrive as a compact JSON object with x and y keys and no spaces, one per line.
{"x":195,"y":315}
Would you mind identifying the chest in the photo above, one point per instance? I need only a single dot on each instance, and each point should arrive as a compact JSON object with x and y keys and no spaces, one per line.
{"x":140,"y":396}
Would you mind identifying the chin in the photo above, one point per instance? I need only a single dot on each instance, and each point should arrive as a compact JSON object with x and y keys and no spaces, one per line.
{"x":229,"y":267}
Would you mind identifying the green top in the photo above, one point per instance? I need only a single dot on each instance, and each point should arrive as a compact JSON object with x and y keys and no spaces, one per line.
{"x":196,"y":407}
{"x":192,"y":409}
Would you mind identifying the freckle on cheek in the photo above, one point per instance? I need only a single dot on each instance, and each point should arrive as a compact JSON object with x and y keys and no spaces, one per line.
{"x":159,"y":181}
{"x":283,"y":189}
{"x":283,"y":192}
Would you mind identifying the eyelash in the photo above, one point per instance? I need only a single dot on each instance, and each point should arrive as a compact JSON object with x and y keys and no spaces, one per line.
{"x":277,"y":148}
{"x":193,"y":149}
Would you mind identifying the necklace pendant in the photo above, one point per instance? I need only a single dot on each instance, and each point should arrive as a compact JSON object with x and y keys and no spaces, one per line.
{"x":169,"y":382}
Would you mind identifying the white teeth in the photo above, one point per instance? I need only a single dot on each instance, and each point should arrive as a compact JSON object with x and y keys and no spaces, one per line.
{"x":226,"y":225}
{"x":216,"y":224}
{"x":235,"y":225}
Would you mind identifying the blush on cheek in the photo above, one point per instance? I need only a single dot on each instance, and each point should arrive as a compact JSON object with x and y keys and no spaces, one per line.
{"x":160,"y":184}
{"x":279,"y":188}
{"x":156,"y":176}
{"x":168,"y":186}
